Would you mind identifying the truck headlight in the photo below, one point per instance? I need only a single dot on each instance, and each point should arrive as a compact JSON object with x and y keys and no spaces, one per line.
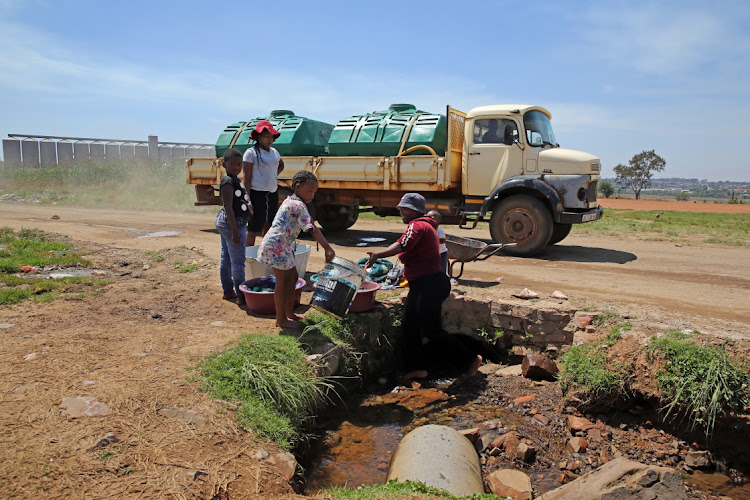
{"x":582,"y":194}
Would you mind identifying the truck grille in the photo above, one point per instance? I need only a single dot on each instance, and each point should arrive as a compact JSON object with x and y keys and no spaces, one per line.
{"x":592,"y":191}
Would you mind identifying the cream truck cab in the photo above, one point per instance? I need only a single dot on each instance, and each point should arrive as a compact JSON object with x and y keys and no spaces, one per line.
{"x":500,"y":161}
{"x":515,"y":169}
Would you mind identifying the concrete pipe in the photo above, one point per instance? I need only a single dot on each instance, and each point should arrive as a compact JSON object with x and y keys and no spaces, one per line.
{"x":440,"y":457}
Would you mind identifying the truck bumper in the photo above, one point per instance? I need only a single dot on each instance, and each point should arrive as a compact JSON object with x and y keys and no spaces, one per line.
{"x":581,"y":217}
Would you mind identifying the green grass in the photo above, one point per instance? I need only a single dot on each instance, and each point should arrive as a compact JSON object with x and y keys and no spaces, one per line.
{"x":269,"y":375}
{"x":316,"y":323}
{"x":368,"y":342}
{"x":615,"y":332}
{"x":700,"y":382}
{"x":187,"y":268}
{"x":584,"y":371}
{"x":36,"y":248}
{"x":39,"y":249}
{"x":682,"y":227}
{"x":140,"y":186}
{"x":605,"y":317}
{"x":393,"y":490}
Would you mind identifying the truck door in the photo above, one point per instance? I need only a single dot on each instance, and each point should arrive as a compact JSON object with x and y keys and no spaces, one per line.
{"x":493,"y":154}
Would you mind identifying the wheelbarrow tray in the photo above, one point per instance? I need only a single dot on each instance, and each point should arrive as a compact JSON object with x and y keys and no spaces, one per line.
{"x":466,"y":249}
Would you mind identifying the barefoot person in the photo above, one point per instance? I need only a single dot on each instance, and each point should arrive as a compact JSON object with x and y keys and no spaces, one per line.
{"x":277,"y":247}
{"x":424,"y":342}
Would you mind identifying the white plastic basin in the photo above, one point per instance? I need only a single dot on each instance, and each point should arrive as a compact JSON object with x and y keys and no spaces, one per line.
{"x":255,"y":269}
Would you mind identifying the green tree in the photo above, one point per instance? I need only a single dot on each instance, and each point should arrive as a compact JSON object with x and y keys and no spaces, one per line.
{"x":682,"y":197}
{"x":606,"y":188}
{"x":639,"y":171}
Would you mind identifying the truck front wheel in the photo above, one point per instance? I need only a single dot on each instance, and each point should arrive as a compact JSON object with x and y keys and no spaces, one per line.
{"x":559,"y":232}
{"x":523,"y":220}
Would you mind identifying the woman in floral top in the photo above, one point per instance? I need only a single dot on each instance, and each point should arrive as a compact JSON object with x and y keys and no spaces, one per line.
{"x":277,"y":247}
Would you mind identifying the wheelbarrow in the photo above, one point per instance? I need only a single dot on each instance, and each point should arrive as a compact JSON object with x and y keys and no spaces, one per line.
{"x":462,"y":250}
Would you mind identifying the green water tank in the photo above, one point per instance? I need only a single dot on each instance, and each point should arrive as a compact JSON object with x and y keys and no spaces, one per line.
{"x":300,"y":136}
{"x":380,"y":133}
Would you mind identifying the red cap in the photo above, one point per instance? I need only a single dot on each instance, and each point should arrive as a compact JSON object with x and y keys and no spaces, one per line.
{"x":264,"y":125}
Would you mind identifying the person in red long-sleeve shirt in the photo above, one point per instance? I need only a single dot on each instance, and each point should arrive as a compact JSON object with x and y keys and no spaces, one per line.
{"x":424,"y":341}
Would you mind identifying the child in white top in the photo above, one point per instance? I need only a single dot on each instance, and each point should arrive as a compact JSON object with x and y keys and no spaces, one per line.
{"x":261,"y":166}
{"x":435,"y":215}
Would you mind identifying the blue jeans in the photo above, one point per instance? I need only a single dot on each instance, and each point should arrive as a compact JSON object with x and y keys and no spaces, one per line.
{"x":232,"y":267}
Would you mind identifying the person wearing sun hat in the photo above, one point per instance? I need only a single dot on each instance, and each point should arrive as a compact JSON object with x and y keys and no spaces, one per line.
{"x":424,"y":342}
{"x":261,"y":166}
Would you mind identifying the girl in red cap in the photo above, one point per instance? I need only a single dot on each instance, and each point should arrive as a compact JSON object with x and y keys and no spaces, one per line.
{"x":261,"y":166}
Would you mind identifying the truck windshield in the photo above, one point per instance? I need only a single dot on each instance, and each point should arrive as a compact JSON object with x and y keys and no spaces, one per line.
{"x":539,"y":129}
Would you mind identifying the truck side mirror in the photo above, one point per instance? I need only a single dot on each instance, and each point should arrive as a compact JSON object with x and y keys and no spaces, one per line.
{"x":508,"y":134}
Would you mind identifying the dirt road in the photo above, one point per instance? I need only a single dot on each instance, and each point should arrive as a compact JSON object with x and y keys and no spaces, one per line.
{"x":707,"y":281}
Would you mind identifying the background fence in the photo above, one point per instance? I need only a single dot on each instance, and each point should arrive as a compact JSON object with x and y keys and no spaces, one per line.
{"x":30,"y":150}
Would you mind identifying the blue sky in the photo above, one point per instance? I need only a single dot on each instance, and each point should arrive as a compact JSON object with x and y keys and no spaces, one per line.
{"x":618,"y":77}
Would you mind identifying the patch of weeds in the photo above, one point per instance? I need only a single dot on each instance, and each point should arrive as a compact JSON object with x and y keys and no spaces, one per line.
{"x":46,"y":470}
{"x":124,"y":471}
{"x":491,"y":338}
{"x":389,"y":294}
{"x":605,"y":317}
{"x":156,"y":256}
{"x":329,"y":327}
{"x":269,"y":374}
{"x":616,"y":331}
{"x":36,"y":248}
{"x":675,"y":334}
{"x":584,"y":370}
{"x":395,"y":490}
{"x":13,"y":295}
{"x":700,"y":382}
{"x":365,"y":341}
{"x":106,"y":454}
{"x":14,"y":289}
{"x":528,"y":335}
{"x":189,"y":268}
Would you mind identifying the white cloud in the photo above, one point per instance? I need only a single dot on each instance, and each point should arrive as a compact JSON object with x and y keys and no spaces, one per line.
{"x":666,"y":38}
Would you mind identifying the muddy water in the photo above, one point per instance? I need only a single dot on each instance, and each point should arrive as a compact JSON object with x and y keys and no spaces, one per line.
{"x":717,"y":484}
{"x":361,"y":439}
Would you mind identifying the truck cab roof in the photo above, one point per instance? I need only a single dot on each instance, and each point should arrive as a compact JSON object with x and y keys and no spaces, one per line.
{"x":504,"y":109}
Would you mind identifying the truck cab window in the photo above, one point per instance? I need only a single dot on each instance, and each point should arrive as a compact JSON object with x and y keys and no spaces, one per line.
{"x":539,"y":129}
{"x":495,"y":131}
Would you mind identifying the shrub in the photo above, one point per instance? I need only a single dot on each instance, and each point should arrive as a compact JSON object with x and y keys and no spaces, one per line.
{"x":700,"y":382}
{"x":584,"y":370}
{"x":269,"y":375}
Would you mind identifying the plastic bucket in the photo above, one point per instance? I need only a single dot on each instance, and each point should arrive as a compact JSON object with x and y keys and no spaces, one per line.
{"x":338,"y":284}
{"x":256,"y":269}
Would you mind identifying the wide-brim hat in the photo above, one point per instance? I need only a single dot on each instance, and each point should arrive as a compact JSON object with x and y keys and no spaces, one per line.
{"x":415,"y":201}
{"x":261,"y":126}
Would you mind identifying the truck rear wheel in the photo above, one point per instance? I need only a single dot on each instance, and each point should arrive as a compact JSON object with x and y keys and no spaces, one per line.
{"x":336,"y":217}
{"x":559,"y":232}
{"x":523,"y":220}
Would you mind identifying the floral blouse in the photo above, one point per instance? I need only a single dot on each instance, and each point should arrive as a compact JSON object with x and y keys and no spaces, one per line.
{"x":277,"y":247}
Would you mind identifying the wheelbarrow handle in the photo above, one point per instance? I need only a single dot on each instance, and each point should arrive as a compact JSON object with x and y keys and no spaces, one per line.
{"x":496,"y":248}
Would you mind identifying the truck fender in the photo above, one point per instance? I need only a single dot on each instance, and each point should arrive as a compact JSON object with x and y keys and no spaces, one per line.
{"x":520,"y":185}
